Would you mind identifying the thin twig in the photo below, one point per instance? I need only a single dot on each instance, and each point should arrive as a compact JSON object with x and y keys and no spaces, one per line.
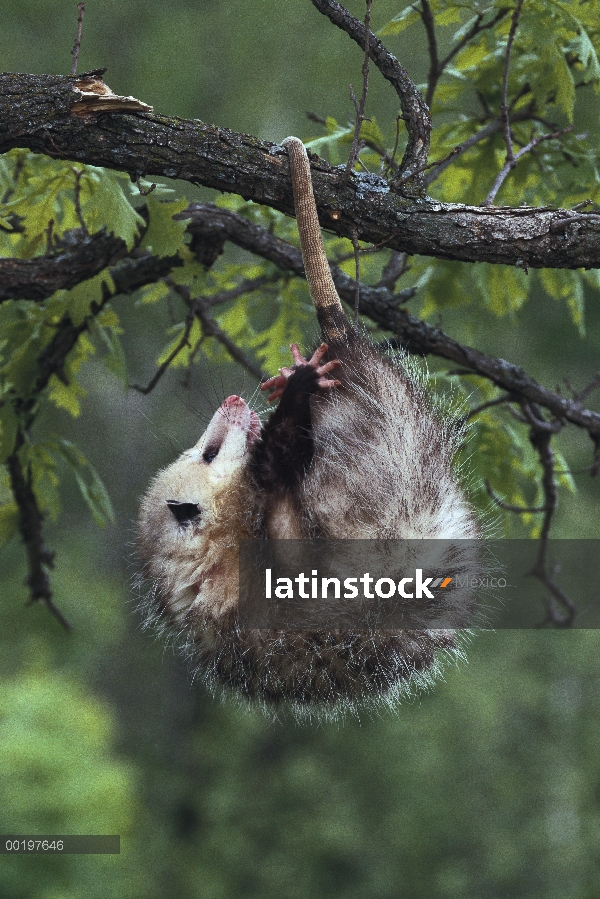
{"x":490,"y":129}
{"x":248,"y":285}
{"x":356,"y":248}
{"x":146,"y":191}
{"x":212,"y":329}
{"x":201,"y":309}
{"x":541,"y":440}
{"x":78,"y":174}
{"x":387,"y":159}
{"x":162,"y":368}
{"x":511,"y":163}
{"x":507,"y":398}
{"x":595,"y":382}
{"x":185,"y":382}
{"x":518,"y":510}
{"x":533,"y":415}
{"x":77,"y":44}
{"x":395,"y":267}
{"x":414,"y":110}
{"x":434,"y":63}
{"x":504,"y":102}
{"x":391,"y":162}
{"x":437,"y":66}
{"x":360,"y":108}
{"x":48,"y":233}
{"x":475,"y":29}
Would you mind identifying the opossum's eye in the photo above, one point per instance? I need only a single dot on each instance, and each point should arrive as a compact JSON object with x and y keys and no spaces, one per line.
{"x":211,"y":453}
{"x":183,"y":512}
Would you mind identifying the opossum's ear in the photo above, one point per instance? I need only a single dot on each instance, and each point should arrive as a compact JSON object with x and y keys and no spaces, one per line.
{"x":184,"y":513}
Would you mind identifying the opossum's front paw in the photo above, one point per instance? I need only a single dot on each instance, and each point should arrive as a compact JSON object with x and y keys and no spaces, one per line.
{"x":277,"y":384}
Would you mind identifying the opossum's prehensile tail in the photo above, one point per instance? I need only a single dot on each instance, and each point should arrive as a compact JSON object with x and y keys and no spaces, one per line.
{"x":332,"y":319}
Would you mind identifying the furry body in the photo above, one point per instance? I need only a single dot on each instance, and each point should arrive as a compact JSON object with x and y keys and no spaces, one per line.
{"x":359,"y":457}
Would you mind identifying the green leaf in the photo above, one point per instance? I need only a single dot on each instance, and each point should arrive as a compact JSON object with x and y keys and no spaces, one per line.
{"x":104,"y":203}
{"x":552,"y":69}
{"x":585,"y":50}
{"x":503,"y":288}
{"x":448,"y":16}
{"x":66,"y":396}
{"x":407,"y":17}
{"x":89,"y":482}
{"x":498,"y":452}
{"x":333,"y":142}
{"x":566,"y":286}
{"x":290,"y":312}
{"x":154,"y":293}
{"x":562,"y":473}
{"x":114,"y":358}
{"x":164,"y":236}
{"x":24,"y":336}
{"x":38,"y":459}
{"x":183,"y":357}
{"x":370,"y":130}
{"x":80,"y":298}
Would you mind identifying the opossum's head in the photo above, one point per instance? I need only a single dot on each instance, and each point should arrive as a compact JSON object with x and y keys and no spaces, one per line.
{"x":193,"y":512}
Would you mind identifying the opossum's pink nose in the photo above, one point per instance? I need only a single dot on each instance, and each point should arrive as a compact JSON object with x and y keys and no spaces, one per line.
{"x":237,"y":412}
{"x":233,"y":401}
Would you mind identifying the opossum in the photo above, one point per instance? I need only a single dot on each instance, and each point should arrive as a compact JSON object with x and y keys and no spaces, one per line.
{"x":353,"y":450}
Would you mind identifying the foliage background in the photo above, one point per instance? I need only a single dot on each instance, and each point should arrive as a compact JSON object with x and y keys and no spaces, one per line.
{"x":488,"y":786}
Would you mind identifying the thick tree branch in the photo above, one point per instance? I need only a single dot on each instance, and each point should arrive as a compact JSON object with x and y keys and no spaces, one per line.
{"x":87,"y":255}
{"x":383,"y":307}
{"x":80,"y":258}
{"x":37,"y":111}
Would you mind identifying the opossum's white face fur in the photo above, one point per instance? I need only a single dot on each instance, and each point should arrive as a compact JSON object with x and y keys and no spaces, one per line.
{"x":193,"y":514}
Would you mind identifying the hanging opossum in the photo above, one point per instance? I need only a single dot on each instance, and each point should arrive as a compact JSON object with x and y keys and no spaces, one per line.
{"x":353,"y":450}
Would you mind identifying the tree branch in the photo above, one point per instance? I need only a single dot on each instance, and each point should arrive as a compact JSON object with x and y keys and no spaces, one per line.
{"x":200,"y":308}
{"x":213,"y":225}
{"x":31,"y":518}
{"x":80,"y":257}
{"x":541,"y":439}
{"x":434,"y":62}
{"x":383,"y":307}
{"x":40,"y":112}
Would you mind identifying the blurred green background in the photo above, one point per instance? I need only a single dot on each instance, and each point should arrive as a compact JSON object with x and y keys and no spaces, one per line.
{"x":488,"y":786}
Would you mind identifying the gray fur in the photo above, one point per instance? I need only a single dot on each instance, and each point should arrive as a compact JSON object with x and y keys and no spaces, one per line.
{"x":381,"y":470}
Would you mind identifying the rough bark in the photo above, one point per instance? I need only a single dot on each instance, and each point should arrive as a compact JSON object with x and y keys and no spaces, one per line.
{"x":47,"y":114}
{"x":39,"y":278}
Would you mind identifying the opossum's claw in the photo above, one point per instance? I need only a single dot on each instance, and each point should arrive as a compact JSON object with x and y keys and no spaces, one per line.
{"x":321,"y":369}
{"x":280,"y":380}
